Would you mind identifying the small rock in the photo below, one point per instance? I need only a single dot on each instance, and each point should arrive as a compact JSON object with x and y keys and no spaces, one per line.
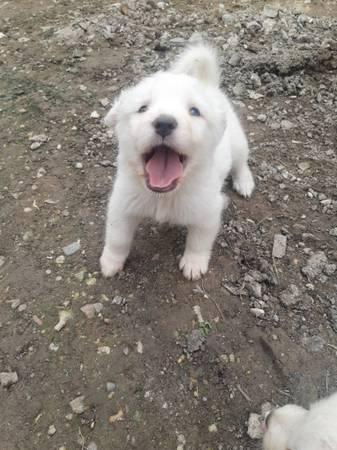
{"x":39,"y":138}
{"x":333,"y":319}
{"x":51,"y":430}
{"x":126,"y":350}
{"x":77,"y":405}
{"x":104,"y":102}
{"x":92,"y":446}
{"x":2,"y":261}
{"x":213,"y":428}
{"x":329,"y":269}
{"x":15,"y":303}
{"x":314,"y":344}
{"x":35,"y":145}
{"x":280,"y":245}
{"x":53,"y":347}
{"x":116,"y":417}
{"x":110,"y":387}
{"x":235,"y":60}
{"x":60,"y":260}
{"x":22,"y":307}
{"x":258,"y":312}
{"x":91,"y":281}
{"x":253,"y":26}
{"x":80,"y":275}
{"x":315,"y":265}
{"x":195,"y":341}
{"x":104,"y":350}
{"x":8,"y":378}
{"x":72,"y":248}
{"x":254,"y":426}
{"x":290,"y":296}
{"x":140,"y":347}
{"x":270,"y":12}
{"x":64,"y":316}
{"x":262,"y":118}
{"x":332,"y":232}
{"x":94,"y":115}
{"x":286,"y":125}
{"x":266,"y":407}
{"x":239,"y":88}
{"x":305,"y":165}
{"x":118,"y":300}
{"x":78,"y":165}
{"x":91,"y":309}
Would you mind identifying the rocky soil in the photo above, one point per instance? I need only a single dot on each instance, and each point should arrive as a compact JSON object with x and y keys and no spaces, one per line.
{"x":149,"y":360}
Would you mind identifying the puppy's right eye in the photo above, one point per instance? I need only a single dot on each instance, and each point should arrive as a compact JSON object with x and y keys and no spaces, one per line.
{"x":143,"y":108}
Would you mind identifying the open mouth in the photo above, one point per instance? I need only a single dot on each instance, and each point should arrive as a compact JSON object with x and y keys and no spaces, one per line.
{"x":164,"y":167}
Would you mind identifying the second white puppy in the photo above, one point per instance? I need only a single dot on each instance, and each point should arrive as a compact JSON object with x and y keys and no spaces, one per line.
{"x":179,"y":138}
{"x":294,"y":428}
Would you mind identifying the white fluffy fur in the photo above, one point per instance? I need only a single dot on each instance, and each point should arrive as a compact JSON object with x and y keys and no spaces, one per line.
{"x":214,"y":145}
{"x":294,"y":428}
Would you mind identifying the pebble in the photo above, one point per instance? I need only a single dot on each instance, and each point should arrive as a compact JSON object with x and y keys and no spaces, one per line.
{"x":280,"y":245}
{"x":104,"y":102}
{"x":60,"y":260}
{"x":314,"y":344}
{"x":110,"y":387}
{"x":140,"y":347}
{"x":77,"y":405}
{"x":91,"y":281}
{"x":91,"y":309}
{"x":2,"y":261}
{"x":8,"y":378}
{"x":262,"y":117}
{"x":290,"y":296}
{"x":213,"y":428}
{"x":80,"y":275}
{"x":332,"y":232}
{"x":104,"y":350}
{"x":94,"y":115}
{"x":15,"y":303}
{"x":286,"y":125}
{"x":270,"y":12}
{"x":315,"y":265}
{"x":64,"y":316}
{"x":35,"y":145}
{"x":106,"y":163}
{"x":72,"y":248}
{"x":92,"y":446}
{"x":195,"y":341}
{"x":258,"y":312}
{"x":51,"y":430}
{"x":78,"y":165}
{"x":126,"y":350}
{"x":254,"y":426}
{"x":235,"y":60}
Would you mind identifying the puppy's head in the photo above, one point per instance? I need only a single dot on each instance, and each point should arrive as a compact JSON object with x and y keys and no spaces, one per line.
{"x":279,"y":424}
{"x":170,"y":123}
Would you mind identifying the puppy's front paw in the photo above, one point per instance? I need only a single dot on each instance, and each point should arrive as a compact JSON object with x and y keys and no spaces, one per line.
{"x":193,"y":266}
{"x":244,"y":182}
{"x":110,"y":264}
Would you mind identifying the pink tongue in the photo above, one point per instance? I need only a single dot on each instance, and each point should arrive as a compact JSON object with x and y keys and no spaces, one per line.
{"x":163,"y":168}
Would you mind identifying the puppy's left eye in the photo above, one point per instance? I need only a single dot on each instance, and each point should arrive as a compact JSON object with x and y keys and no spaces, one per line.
{"x":143,"y":108}
{"x":195,"y":111}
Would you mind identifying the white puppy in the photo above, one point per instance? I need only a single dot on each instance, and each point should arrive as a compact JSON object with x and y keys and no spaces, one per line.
{"x":294,"y":428}
{"x":179,"y":138}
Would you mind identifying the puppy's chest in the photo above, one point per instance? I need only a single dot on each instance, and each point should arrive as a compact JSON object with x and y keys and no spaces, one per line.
{"x":169,"y":210}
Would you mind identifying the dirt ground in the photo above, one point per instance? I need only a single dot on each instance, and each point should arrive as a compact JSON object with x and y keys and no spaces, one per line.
{"x":151,"y":375}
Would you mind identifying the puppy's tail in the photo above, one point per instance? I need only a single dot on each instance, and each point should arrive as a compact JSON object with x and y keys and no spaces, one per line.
{"x":199,"y":61}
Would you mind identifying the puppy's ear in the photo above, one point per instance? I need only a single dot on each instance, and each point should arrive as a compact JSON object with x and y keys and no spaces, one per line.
{"x":110,"y":120}
{"x":199,"y":61}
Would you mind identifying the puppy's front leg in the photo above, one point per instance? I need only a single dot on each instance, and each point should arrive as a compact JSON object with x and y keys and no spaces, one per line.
{"x":200,"y":239}
{"x":120,"y":229}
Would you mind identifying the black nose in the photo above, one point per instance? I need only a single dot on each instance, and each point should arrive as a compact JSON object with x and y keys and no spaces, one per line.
{"x":164,"y":125}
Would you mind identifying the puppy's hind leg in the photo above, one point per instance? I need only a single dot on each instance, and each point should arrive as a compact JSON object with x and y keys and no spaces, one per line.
{"x":243,"y":181}
{"x":120,"y":229}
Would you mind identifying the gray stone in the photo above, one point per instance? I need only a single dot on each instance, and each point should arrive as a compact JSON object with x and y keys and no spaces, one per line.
{"x":254,"y":26}
{"x":2,"y":261}
{"x":290,"y":296}
{"x":254,"y":426}
{"x":195,"y":341}
{"x":92,"y":446}
{"x":91,"y":309}
{"x":72,"y":248}
{"x":8,"y":378}
{"x":286,"y":125}
{"x":77,"y":405}
{"x":314,"y":344}
{"x":270,"y":12}
{"x":315,"y":265}
{"x":106,"y":163}
{"x":332,"y":232}
{"x":258,"y":312}
{"x":280,"y":245}
{"x":110,"y":387}
{"x":235,"y":60}
{"x":262,"y":118}
{"x":329,"y":269}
